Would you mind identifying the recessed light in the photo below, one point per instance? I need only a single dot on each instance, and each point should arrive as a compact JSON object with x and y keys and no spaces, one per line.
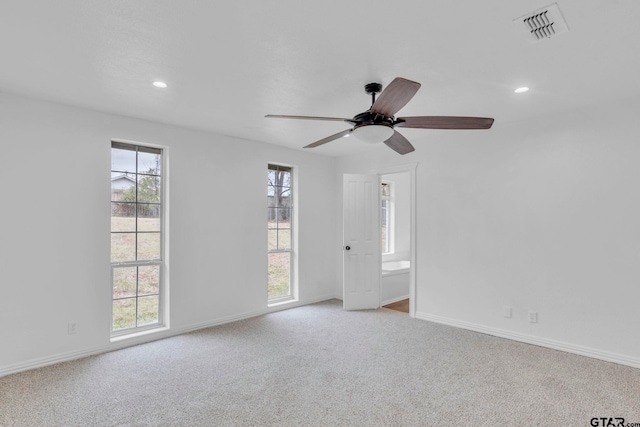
{"x":522,"y":89}
{"x":160,"y":84}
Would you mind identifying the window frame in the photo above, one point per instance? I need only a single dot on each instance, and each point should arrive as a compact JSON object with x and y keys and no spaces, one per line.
{"x":292,"y":294}
{"x":161,"y":262}
{"x":389,"y":216}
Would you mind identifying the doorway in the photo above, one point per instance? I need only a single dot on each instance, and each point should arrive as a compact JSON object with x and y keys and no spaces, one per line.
{"x":362,"y":230}
{"x":395,"y":230}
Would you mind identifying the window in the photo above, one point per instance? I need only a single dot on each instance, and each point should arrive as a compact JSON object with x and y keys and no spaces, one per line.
{"x":280,"y":216}
{"x":136,"y":237}
{"x":386,"y":217}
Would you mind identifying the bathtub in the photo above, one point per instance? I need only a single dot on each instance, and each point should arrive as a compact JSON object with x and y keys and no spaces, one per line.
{"x":390,"y":268}
{"x":394,"y":284}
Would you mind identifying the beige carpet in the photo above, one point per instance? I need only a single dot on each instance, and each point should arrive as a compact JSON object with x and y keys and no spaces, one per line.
{"x":321,"y":366}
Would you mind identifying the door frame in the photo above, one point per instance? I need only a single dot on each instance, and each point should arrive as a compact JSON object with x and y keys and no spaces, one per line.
{"x":411,"y":168}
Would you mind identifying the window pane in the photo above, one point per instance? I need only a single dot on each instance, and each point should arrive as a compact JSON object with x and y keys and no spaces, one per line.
{"x":123,"y":247}
{"x":123,"y":160}
{"x":283,"y":216}
{"x":273,"y":239}
{"x":123,"y":216}
{"x":383,"y":240}
{"x":284,"y":239}
{"x":386,"y":189}
{"x":124,"y":282}
{"x":148,"y":246}
{"x":115,"y":175}
{"x":279,"y":175}
{"x":278,"y":275}
{"x":279,"y":196}
{"x":148,"y":217}
{"x":124,"y":313}
{"x":284,"y":179}
{"x":149,"y":189}
{"x":283,"y":198}
{"x":384,"y":217}
{"x":147,"y":310}
{"x":123,"y":187}
{"x":148,"y":279}
{"x":271,"y":177}
{"x":272,"y":216}
{"x":148,"y":162}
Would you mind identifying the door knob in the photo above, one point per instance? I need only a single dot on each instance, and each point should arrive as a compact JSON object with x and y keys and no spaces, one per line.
{"x":347,"y":248}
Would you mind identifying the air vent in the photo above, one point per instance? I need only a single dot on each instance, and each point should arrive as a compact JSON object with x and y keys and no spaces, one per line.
{"x":543,"y":23}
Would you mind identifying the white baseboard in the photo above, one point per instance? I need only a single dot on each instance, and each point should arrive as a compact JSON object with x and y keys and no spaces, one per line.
{"x":141,"y":339}
{"x":539,"y":341}
{"x":391,"y":301}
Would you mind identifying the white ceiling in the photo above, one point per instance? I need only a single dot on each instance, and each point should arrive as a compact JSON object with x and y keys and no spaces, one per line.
{"x":228,"y":64}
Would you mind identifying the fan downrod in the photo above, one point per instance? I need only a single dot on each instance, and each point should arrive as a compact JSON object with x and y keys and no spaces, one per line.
{"x":372,"y":89}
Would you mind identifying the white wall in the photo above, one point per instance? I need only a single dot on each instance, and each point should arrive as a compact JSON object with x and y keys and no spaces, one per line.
{"x":539,"y":215}
{"x":54,"y":249}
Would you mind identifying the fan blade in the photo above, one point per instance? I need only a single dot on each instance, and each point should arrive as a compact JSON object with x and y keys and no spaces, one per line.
{"x":395,"y":96}
{"x":328,"y":139}
{"x":399,"y":143}
{"x":332,"y":119}
{"x":445,"y":122}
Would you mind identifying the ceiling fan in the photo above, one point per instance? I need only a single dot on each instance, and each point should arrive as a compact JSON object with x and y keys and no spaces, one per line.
{"x":378,"y":122}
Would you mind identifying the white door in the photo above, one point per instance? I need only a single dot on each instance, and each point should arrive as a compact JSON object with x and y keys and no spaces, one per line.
{"x":361,"y":241}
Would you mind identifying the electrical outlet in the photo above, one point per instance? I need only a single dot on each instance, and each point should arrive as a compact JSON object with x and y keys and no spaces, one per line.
{"x":533,"y":317}
{"x":72,"y":328}
{"x":507,"y":312}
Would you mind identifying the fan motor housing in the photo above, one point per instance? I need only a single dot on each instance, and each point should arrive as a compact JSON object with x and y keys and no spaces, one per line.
{"x":368,"y":118}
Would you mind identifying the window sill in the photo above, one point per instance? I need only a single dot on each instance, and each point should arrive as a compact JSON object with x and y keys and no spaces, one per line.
{"x":138,"y":334}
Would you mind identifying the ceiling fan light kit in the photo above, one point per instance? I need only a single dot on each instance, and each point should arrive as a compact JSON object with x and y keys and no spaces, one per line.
{"x":373,"y":134}
{"x":377,"y":124}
